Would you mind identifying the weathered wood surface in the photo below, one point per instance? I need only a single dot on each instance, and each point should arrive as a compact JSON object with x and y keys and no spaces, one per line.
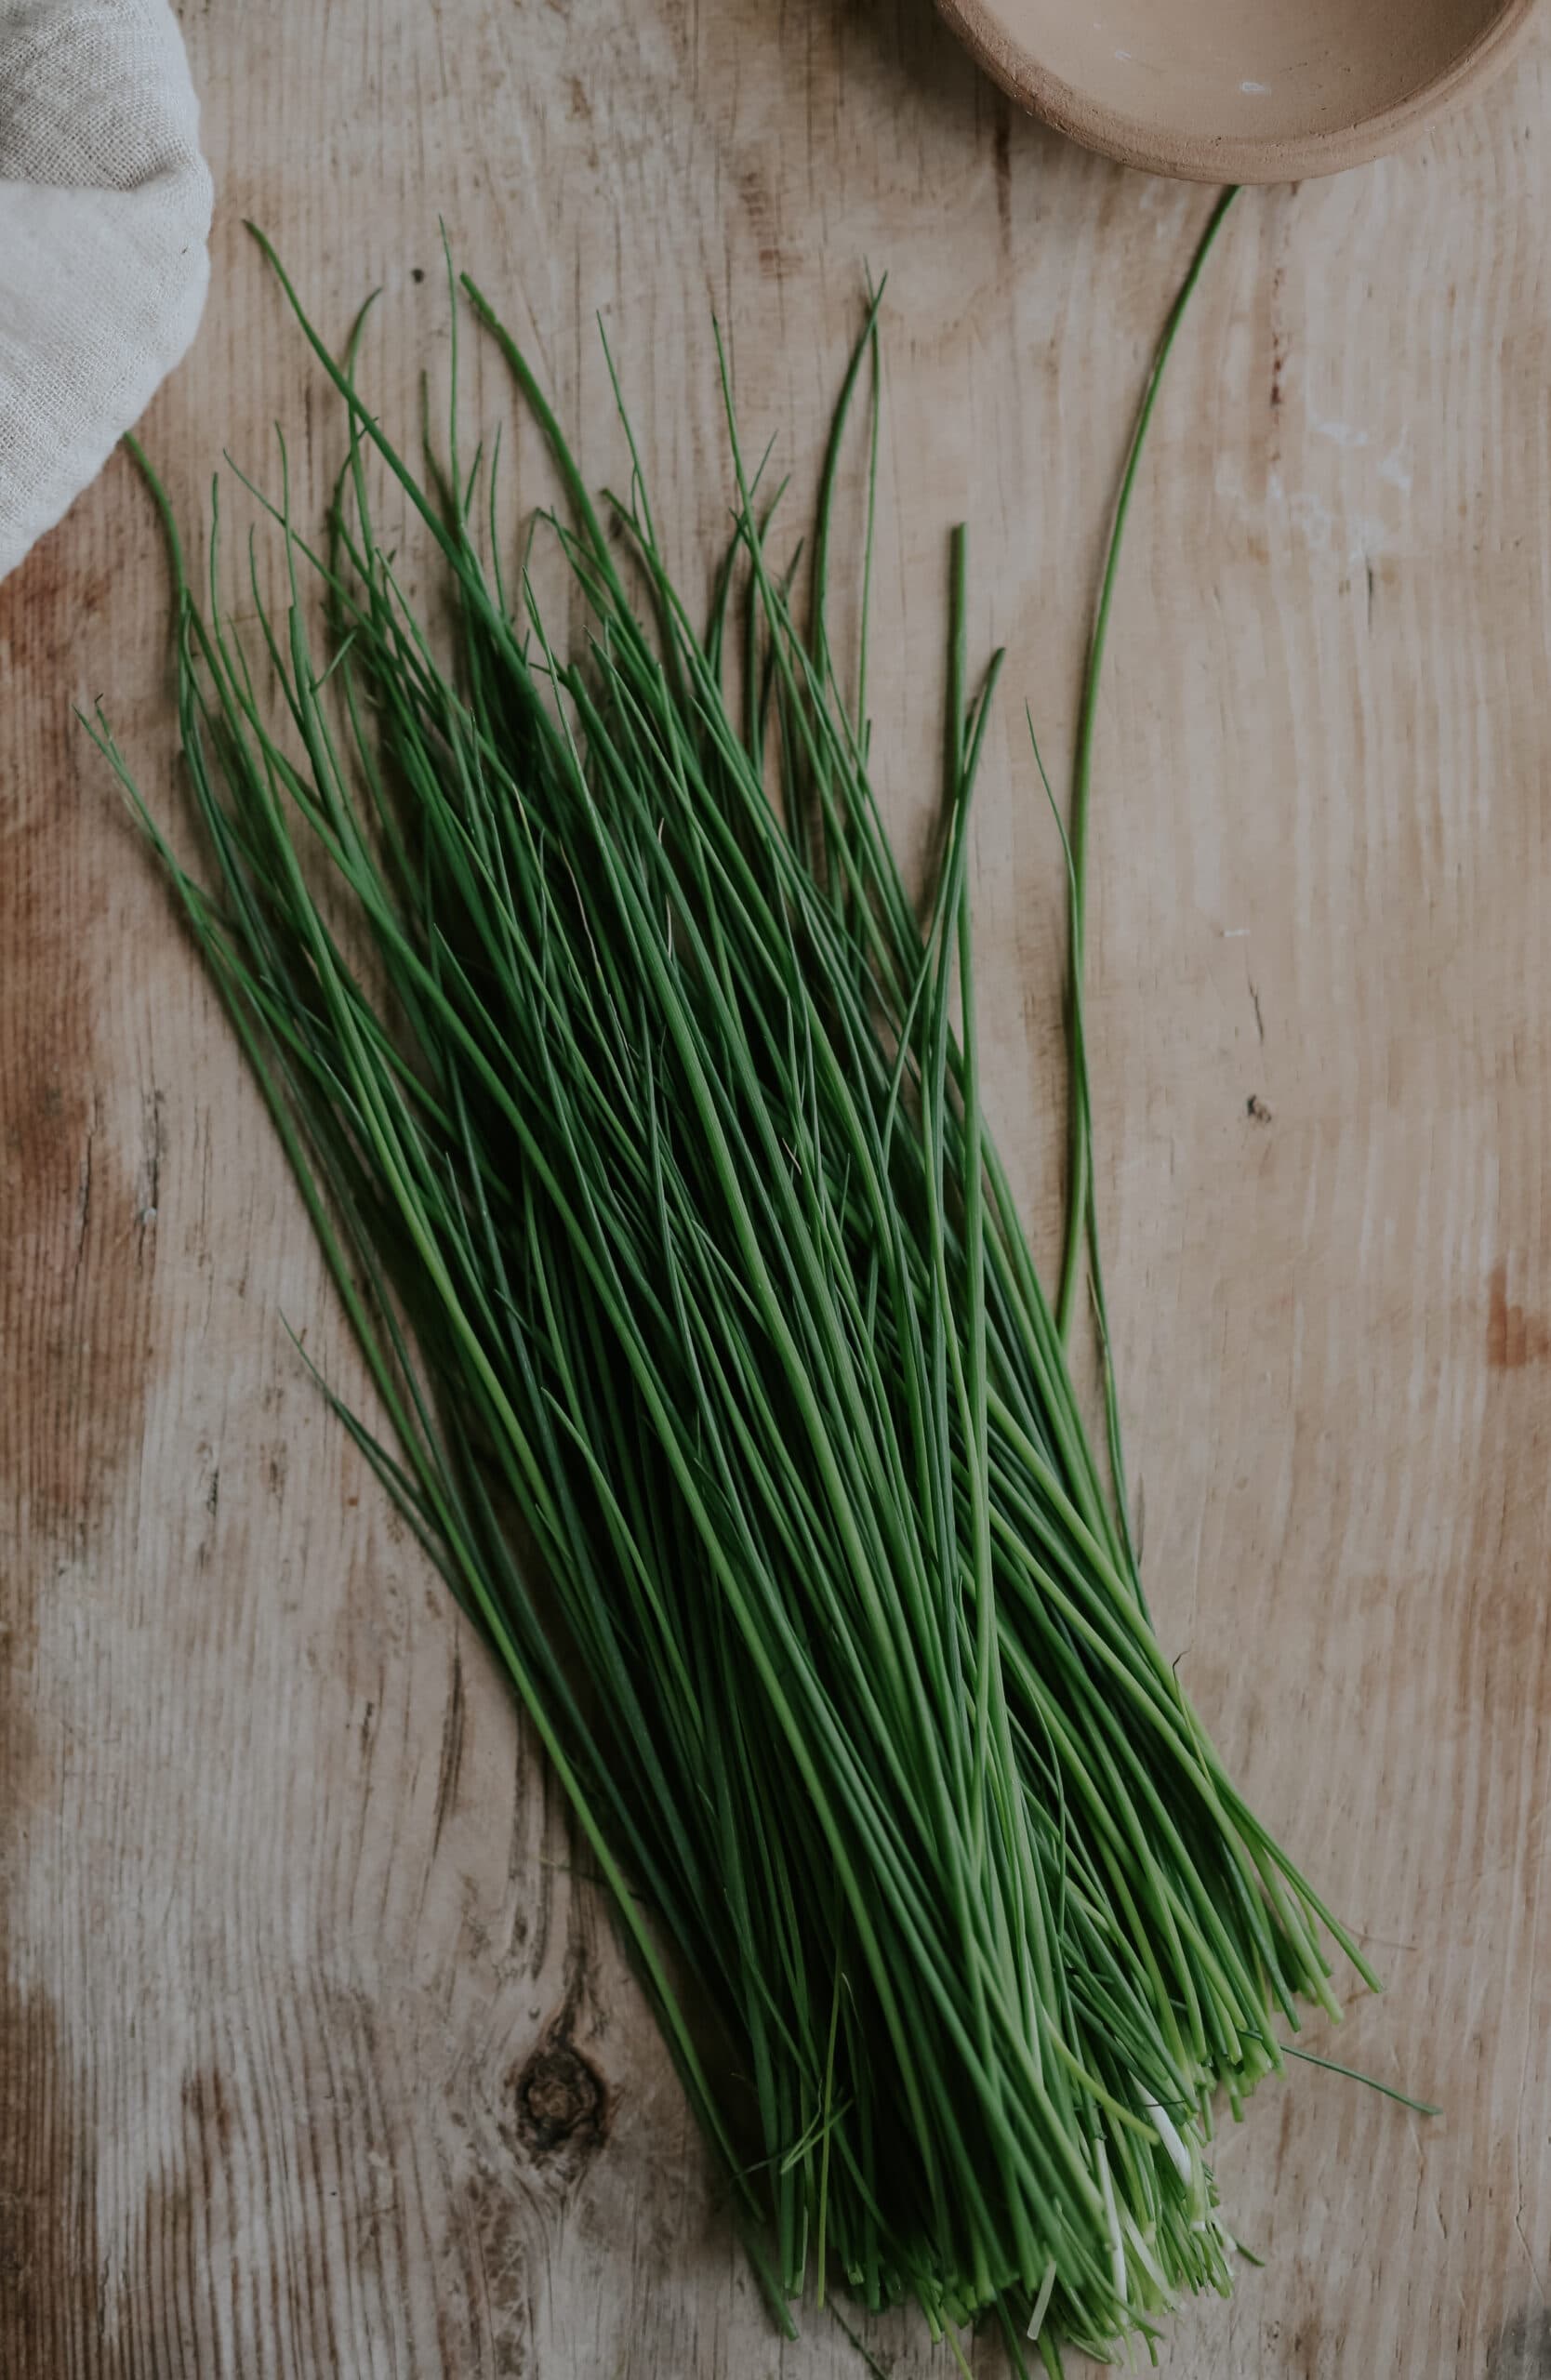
{"x":314,"y":2058}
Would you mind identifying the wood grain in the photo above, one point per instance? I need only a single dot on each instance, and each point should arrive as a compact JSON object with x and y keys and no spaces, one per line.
{"x":316,"y":2058}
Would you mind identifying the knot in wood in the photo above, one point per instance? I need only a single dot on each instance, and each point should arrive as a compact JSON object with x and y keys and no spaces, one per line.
{"x":559,"y":2100}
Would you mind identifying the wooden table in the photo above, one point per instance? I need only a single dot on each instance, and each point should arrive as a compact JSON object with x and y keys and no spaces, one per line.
{"x":315,"y":2058}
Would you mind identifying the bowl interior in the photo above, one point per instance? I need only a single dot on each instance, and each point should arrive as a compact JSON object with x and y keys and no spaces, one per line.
{"x":1209,"y":70}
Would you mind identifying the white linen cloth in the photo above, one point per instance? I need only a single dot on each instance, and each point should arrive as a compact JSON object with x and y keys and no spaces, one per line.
{"x":104,"y":217}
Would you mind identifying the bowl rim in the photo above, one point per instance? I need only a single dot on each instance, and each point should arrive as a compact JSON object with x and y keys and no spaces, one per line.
{"x":1204,"y":157}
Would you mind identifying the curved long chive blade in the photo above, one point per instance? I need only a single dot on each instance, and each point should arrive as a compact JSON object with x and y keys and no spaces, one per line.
{"x":641,"y":1121}
{"x":1081,"y":1232}
{"x":1370,"y":2082}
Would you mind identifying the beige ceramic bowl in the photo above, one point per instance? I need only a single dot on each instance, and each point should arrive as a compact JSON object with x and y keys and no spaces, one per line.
{"x":1241,"y":90}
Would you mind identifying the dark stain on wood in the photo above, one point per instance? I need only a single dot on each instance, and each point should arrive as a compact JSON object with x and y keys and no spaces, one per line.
{"x":758,"y":205}
{"x":205,"y":2102}
{"x":53,"y":2304}
{"x":1515,"y":1337}
{"x":73,"y":1273}
{"x":1002,"y":159}
{"x":47,"y":603}
{"x":1280,"y":349}
{"x":452,"y":1747}
{"x":75,"y":1327}
{"x":63,"y":2303}
{"x":1521,"y":2347}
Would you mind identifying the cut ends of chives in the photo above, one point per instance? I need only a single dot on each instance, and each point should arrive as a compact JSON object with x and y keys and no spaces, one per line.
{"x":638,"y":1115}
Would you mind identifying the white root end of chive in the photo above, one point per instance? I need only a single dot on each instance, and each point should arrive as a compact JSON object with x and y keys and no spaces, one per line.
{"x":1041,"y":2302}
{"x":1163,"y":2124}
{"x":1147,"y":2261}
{"x":1117,"y":2245}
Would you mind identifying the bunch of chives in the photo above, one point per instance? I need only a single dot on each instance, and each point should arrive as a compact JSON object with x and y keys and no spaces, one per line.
{"x":639,"y":1118}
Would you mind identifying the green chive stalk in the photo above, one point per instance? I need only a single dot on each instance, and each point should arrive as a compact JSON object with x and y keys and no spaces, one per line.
{"x":639,"y":1118}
